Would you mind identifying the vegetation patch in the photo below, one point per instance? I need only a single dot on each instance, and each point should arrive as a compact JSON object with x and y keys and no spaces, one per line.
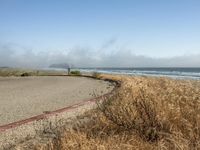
{"x":25,"y":74}
{"x":75,"y":72}
{"x":145,"y":113}
{"x":6,"y":72}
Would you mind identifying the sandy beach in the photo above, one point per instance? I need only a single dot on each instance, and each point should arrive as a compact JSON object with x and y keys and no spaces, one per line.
{"x":23,"y":97}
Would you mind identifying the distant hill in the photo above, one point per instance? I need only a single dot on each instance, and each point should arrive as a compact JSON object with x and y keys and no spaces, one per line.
{"x":63,"y":66}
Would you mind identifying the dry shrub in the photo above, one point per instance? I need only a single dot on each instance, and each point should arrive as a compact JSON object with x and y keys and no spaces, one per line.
{"x":133,"y":113}
{"x":99,"y":133}
{"x":144,"y":113}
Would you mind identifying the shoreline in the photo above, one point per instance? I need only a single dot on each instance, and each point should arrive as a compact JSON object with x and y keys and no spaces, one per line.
{"x":137,"y":73}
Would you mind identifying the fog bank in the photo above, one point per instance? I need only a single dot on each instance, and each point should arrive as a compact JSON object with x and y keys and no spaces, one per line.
{"x":15,"y":56}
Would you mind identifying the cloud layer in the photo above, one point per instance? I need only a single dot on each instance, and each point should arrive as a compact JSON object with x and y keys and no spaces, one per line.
{"x":15,"y":56}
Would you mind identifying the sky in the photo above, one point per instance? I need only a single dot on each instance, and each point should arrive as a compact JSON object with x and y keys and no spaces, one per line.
{"x":100,"y":33}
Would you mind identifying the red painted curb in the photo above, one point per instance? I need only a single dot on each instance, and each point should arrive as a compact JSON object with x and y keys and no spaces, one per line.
{"x":51,"y":113}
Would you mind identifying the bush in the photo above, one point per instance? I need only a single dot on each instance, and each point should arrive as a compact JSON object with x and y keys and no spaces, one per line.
{"x":25,"y":74}
{"x":76,"y":72}
{"x":134,"y":113}
{"x":162,"y":112}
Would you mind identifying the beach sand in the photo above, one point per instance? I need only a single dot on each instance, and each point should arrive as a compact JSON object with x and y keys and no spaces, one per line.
{"x":24,"y":97}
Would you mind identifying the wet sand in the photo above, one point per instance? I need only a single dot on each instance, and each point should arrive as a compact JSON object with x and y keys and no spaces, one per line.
{"x":24,"y":97}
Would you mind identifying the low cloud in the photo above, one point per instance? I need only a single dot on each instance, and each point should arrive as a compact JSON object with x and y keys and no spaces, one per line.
{"x":12,"y":55}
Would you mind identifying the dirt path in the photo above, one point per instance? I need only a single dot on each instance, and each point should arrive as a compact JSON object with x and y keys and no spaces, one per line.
{"x":22,"y":98}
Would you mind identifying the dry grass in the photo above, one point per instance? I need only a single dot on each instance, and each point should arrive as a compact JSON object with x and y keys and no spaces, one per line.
{"x":144,"y":113}
{"x":6,"y":72}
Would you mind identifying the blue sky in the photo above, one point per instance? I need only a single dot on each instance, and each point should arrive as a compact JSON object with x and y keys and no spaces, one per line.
{"x":156,"y":29}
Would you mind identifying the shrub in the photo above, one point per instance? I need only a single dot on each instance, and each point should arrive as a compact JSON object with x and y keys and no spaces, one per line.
{"x":75,"y":72}
{"x":25,"y":74}
{"x":137,"y":113}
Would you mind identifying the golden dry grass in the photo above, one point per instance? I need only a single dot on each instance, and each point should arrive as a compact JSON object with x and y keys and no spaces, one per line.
{"x":144,"y":113}
{"x":6,"y":72}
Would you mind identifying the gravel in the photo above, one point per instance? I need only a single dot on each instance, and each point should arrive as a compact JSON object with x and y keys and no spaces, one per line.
{"x":24,"y":97}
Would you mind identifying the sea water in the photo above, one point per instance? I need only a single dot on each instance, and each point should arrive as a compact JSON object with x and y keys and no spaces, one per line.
{"x":180,"y":73}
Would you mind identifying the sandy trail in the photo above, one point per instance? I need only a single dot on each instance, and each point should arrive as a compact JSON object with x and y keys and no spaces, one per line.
{"x":24,"y":97}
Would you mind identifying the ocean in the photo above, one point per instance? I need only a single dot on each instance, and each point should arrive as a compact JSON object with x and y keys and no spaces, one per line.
{"x":178,"y":73}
